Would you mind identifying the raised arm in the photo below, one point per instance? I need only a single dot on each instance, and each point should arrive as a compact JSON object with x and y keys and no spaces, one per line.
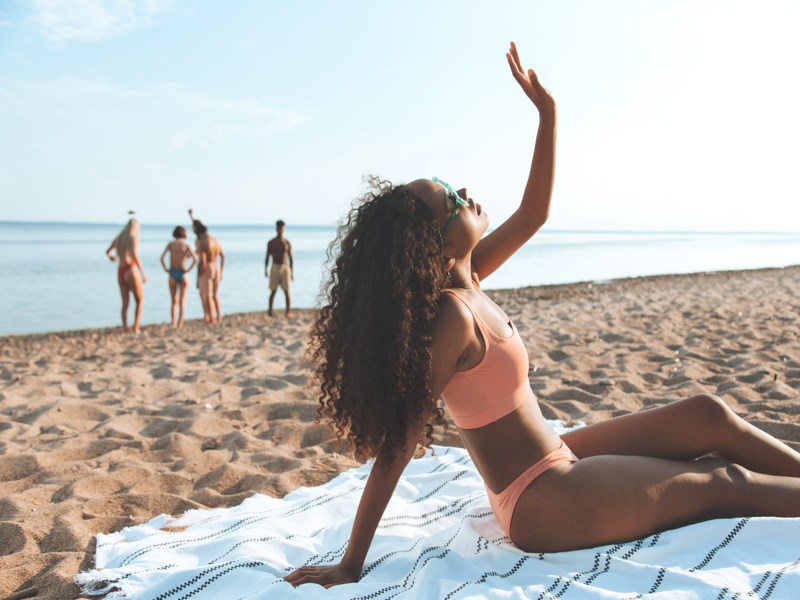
{"x":493,"y":250}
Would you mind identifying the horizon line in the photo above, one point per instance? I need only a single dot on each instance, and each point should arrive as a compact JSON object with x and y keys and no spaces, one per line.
{"x":335,"y":225}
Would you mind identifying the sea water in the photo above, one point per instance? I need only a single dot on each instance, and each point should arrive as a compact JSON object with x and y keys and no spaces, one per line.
{"x":57,"y":277}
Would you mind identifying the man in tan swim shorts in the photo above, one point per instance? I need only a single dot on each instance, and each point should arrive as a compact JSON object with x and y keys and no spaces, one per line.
{"x":209,"y":249}
{"x":281,"y":273}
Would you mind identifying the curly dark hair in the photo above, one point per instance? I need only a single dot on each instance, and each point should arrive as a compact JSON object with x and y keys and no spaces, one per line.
{"x":371,"y":341}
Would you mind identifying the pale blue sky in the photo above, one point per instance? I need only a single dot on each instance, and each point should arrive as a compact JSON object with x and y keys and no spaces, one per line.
{"x":672,"y":115}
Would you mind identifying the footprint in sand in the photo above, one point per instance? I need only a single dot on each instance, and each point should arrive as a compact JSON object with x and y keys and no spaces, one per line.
{"x":13,"y":537}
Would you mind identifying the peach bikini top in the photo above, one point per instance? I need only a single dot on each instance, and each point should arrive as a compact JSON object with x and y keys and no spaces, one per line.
{"x":496,"y":386}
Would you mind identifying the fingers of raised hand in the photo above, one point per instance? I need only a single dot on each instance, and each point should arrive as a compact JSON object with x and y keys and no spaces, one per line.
{"x":515,"y":70}
{"x":515,"y":55}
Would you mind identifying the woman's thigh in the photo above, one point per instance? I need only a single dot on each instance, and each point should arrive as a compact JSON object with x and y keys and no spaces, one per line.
{"x":123,"y":290}
{"x":684,"y":430}
{"x":134,"y":282}
{"x":607,"y":499}
{"x":678,"y":431}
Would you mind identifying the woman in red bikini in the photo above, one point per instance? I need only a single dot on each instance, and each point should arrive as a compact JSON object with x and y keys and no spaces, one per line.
{"x":406,"y":322}
{"x":130,"y":275}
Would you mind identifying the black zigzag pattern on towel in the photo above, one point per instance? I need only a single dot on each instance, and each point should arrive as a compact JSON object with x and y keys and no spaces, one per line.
{"x":593,"y":573}
{"x":774,"y":582}
{"x":316,"y":559}
{"x":435,"y":490}
{"x":427,"y":555}
{"x":487,"y":574}
{"x":703,"y":563}
{"x":329,"y":556}
{"x":173,"y":543}
{"x":431,"y":516}
{"x":377,"y":563}
{"x":238,"y":525}
{"x":443,"y":466}
{"x":728,"y":539}
{"x":197,"y":578}
{"x":659,"y":580}
{"x":755,"y":590}
{"x":291,"y":536}
{"x":596,"y":572}
{"x":388,"y":555}
{"x":140,"y":571}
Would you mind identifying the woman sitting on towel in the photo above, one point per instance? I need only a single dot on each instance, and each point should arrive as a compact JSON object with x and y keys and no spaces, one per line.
{"x":406,"y":322}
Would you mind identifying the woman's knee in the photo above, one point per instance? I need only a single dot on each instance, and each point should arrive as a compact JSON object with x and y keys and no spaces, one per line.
{"x":710,"y":410}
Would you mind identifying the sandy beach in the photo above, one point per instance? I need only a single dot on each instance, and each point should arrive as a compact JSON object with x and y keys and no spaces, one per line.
{"x":100,"y":430}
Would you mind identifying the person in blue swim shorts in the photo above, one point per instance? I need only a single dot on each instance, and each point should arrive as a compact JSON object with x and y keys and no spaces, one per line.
{"x":179,"y":251}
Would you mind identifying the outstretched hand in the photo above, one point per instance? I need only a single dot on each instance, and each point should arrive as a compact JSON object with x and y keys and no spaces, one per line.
{"x":529,"y":82}
{"x":326,"y":576}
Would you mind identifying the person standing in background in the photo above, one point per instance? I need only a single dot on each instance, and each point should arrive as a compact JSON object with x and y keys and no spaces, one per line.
{"x":195,"y":224}
{"x":279,"y":249}
{"x":178,"y":250}
{"x":130,"y":274}
{"x":209,"y":249}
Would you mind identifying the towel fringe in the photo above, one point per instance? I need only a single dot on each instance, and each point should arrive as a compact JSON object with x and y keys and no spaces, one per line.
{"x":95,"y":583}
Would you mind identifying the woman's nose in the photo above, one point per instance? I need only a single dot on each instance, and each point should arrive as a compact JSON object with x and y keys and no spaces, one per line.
{"x":463,"y":193}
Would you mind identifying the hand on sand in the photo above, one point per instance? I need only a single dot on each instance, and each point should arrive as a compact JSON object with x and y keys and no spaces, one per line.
{"x":529,"y":82}
{"x":326,"y":576}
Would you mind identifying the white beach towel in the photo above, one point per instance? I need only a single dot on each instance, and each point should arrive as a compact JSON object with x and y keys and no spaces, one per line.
{"x":438,"y":539}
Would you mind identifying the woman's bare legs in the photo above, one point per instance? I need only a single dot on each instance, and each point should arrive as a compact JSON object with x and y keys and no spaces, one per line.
{"x":612,"y":498}
{"x":173,"y":294}
{"x":125,"y":292}
{"x":637,"y":475}
{"x":684,"y":430}
{"x":182,"y":299}
{"x":134,"y":284}
{"x":216,"y":304}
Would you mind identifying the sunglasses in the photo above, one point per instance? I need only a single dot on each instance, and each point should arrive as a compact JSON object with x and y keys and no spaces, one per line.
{"x":457,"y":201}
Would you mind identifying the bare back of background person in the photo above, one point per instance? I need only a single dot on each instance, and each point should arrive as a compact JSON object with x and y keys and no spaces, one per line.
{"x":209,"y":249}
{"x":178,"y":251}
{"x":282,"y":270}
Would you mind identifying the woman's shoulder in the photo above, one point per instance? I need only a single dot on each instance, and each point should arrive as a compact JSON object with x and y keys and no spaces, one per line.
{"x":453,"y":315}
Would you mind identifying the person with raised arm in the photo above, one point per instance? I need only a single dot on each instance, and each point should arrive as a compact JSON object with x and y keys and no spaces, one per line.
{"x":406,"y":321}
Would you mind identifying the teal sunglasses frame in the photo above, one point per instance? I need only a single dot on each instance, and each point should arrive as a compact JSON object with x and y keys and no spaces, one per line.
{"x":458,"y":200}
